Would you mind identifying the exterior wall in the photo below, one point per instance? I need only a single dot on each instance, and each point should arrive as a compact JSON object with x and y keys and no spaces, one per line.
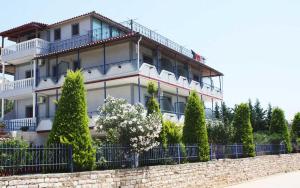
{"x":21,"y":69}
{"x":218,"y":173}
{"x":89,"y":58}
{"x":20,"y":106}
{"x":66,"y":29}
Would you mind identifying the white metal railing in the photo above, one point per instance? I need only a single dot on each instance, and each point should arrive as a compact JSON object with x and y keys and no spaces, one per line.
{"x":18,"y":84}
{"x":158,"y":38}
{"x":151,"y":71}
{"x":17,"y":124}
{"x":36,"y":46}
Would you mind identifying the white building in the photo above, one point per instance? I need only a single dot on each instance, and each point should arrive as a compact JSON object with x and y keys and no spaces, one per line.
{"x":116,"y":59}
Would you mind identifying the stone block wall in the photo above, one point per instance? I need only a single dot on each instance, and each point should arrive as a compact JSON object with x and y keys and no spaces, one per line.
{"x":218,"y":173}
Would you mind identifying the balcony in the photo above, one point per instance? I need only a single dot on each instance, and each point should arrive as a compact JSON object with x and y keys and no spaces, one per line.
{"x":24,"y":51}
{"x":16,"y":88}
{"x":93,"y":73}
{"x":24,"y":124}
{"x":169,"y":77}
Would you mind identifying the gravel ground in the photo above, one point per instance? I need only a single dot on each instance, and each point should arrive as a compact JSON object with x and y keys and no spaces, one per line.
{"x":287,"y":180}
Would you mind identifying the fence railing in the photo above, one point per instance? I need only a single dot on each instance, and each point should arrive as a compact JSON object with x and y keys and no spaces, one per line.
{"x":17,"y":159}
{"x":19,"y":124}
{"x":33,"y":44}
{"x":158,"y":38}
{"x":117,"y":156}
{"x":18,"y":84}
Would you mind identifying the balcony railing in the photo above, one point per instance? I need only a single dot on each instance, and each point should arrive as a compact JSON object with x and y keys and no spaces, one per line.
{"x":18,"y":84}
{"x":23,"y":49}
{"x":20,"y":124}
{"x":38,"y":46}
{"x":157,"y":37}
{"x":151,"y":71}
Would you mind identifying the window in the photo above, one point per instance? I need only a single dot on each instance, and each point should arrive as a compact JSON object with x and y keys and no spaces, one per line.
{"x":28,"y":111}
{"x":147,"y":59}
{"x":76,"y":65}
{"x":28,"y":74}
{"x":75,"y":29}
{"x":115,"y":32}
{"x":57,"y":34}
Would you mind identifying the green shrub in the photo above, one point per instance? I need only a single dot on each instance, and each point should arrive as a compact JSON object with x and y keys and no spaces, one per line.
{"x":295,"y":132}
{"x":279,"y":126}
{"x":219,"y":133}
{"x":194,"y":130}
{"x":173,"y":132}
{"x":243,"y":129}
{"x":264,"y":137}
{"x":70,"y":125}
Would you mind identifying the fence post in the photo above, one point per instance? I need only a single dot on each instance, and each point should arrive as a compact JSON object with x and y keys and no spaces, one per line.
{"x":210,"y":151}
{"x":236,"y":151}
{"x":70,"y":155}
{"x":178,"y":150}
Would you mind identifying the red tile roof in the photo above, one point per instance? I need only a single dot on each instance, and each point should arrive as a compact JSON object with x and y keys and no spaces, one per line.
{"x":23,"y":28}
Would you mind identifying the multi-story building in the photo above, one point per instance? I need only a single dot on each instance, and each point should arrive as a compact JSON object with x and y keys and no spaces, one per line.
{"x":116,"y":59}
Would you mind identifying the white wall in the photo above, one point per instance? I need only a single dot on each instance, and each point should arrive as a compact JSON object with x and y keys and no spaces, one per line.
{"x":21,"y":69}
{"x":66,"y":29}
{"x":20,"y":106}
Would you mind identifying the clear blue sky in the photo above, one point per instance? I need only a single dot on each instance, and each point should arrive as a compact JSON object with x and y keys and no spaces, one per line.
{"x":256,"y":43}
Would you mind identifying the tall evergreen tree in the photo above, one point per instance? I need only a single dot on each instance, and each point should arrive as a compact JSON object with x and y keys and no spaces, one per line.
{"x":252,"y":113}
{"x":194,"y":130}
{"x":70,"y":125}
{"x":152,"y":104}
{"x":243,"y":129}
{"x":269,"y":116}
{"x":217,"y":111}
{"x":259,"y":119}
{"x":295,"y":132}
{"x":153,"y":107}
{"x":226,"y":114}
{"x":279,"y":127}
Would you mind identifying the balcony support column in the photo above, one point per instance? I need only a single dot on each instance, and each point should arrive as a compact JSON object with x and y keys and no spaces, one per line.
{"x":212,"y":107}
{"x":56,"y":98}
{"x":34,"y":74}
{"x":177,"y":104}
{"x":56,"y":68}
{"x":158,"y":94}
{"x":105,"y":94}
{"x":3,"y":82}
{"x":104,"y":69}
{"x":34,"y":105}
{"x":139,"y":88}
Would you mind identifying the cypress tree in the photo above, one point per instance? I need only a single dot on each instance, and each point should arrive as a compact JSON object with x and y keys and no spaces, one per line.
{"x":152,"y":104}
{"x":295,"y":132}
{"x":70,"y":125}
{"x":259,"y":119}
{"x":279,"y":126}
{"x":244,"y":131}
{"x":194,"y":130}
{"x":252,"y":114}
{"x":269,"y":116}
{"x":153,"y":107}
{"x":217,"y":111}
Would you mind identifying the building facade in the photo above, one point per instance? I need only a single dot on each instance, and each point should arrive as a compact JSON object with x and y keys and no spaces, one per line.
{"x":116,"y":59}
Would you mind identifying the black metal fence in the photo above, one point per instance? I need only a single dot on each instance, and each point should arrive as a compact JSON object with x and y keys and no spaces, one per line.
{"x":16,"y":159}
{"x":117,"y":156}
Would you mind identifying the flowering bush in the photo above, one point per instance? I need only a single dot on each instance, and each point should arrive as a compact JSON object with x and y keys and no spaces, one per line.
{"x":129,"y":124}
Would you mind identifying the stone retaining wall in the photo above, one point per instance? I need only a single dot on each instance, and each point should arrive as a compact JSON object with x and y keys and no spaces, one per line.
{"x":217,"y":173}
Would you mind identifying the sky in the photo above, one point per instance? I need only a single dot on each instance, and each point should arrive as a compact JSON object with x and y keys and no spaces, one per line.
{"x":255,"y":43}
